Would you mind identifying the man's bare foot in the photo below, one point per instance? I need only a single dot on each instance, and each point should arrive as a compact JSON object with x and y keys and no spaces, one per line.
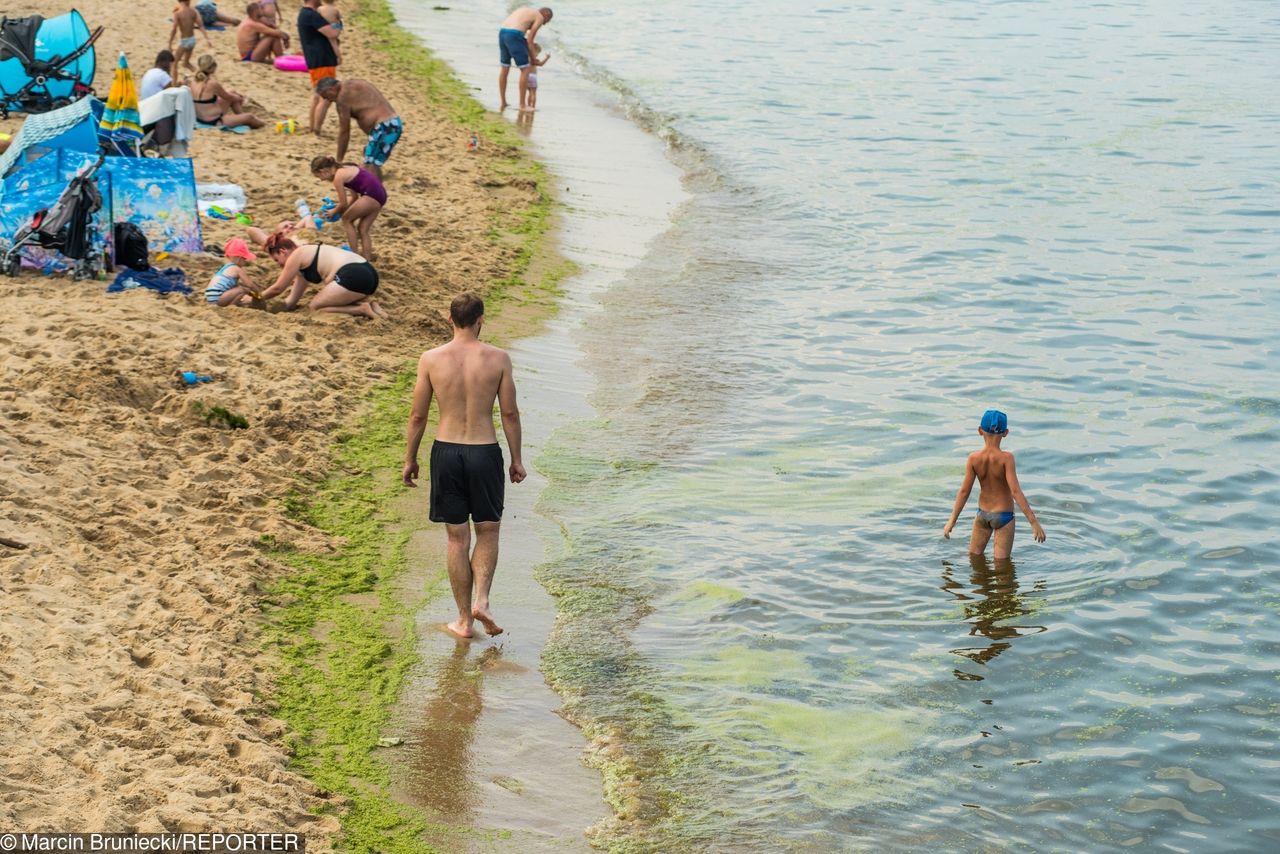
{"x":460,"y":629}
{"x":486,"y":619}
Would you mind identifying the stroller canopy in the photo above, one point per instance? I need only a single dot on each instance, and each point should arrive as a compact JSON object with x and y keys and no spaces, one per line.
{"x":18,"y":37}
{"x":52,"y":38}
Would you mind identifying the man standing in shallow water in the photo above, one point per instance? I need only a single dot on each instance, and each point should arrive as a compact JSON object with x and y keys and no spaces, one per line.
{"x":466,"y":376}
{"x":515,"y":44}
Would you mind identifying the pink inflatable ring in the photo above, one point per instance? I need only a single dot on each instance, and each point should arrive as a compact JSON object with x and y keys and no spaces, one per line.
{"x":291,"y":62}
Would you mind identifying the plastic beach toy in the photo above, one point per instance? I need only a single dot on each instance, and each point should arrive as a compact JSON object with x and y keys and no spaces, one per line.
{"x":218,"y":212}
{"x":191,"y":378}
{"x":327,"y":210}
{"x":291,"y":62}
{"x":244,"y":219}
{"x":287,"y":126}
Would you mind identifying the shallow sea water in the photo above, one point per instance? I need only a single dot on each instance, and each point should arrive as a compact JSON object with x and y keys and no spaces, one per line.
{"x":903,"y":214}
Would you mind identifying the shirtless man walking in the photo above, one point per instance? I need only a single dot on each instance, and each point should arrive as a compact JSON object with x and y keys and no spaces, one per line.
{"x":466,"y":376}
{"x":515,"y":44}
{"x":359,"y":99}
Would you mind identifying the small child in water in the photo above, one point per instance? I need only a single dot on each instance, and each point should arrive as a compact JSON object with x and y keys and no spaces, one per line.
{"x":231,"y":285}
{"x":995,"y":472}
{"x":539,"y":59}
{"x":185,"y":23}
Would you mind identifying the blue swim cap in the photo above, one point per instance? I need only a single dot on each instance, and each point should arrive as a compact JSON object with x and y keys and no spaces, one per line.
{"x":994,"y":421}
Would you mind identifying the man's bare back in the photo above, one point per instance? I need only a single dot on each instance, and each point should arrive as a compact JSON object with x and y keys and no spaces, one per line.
{"x":251,"y":31}
{"x":466,"y":377}
{"x":522,"y":19}
{"x":365,"y":103}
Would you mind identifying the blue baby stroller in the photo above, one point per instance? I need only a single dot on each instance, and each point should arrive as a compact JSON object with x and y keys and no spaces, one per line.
{"x":45,"y":63}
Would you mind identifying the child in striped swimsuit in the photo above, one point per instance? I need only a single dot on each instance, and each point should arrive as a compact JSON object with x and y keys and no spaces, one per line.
{"x":231,"y":285}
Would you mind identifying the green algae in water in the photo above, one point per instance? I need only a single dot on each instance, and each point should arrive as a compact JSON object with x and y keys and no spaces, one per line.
{"x":845,"y":757}
{"x":744,"y":667}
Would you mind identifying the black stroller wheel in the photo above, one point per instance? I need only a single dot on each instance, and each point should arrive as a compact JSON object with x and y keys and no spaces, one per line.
{"x":12,"y":265}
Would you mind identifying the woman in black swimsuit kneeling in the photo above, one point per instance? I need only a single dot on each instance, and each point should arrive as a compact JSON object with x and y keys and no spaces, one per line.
{"x":215,"y":104}
{"x":346,"y":280}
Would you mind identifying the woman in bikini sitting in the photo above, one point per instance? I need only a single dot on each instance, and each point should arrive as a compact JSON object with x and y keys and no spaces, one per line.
{"x":216,"y":105}
{"x":346,"y":280}
{"x":360,"y":197}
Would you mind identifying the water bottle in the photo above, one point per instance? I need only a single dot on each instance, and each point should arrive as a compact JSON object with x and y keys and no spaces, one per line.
{"x":303,"y":209}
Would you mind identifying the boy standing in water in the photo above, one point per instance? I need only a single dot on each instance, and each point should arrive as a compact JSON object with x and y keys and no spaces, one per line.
{"x":998,"y":479}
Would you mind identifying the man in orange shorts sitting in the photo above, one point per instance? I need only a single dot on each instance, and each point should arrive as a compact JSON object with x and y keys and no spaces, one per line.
{"x":320,"y":50}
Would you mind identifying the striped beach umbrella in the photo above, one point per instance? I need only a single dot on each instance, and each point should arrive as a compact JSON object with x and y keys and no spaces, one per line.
{"x":120,"y":121}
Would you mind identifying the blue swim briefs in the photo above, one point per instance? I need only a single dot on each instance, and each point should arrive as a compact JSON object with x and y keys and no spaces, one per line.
{"x":512,"y":47}
{"x":995,"y":519}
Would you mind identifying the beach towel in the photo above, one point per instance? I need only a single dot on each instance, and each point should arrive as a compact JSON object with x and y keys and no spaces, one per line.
{"x":237,"y":129}
{"x":170,"y":281}
{"x":174,"y":102}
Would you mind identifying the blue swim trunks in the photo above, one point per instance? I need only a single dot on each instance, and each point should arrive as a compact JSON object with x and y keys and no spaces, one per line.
{"x":382,"y":139}
{"x":512,"y":47}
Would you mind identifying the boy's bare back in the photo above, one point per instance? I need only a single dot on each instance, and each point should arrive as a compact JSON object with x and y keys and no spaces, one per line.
{"x":991,"y":466}
{"x":185,"y":17}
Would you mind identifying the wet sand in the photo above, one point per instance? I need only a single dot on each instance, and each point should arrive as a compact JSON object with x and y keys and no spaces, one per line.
{"x":513,"y":763}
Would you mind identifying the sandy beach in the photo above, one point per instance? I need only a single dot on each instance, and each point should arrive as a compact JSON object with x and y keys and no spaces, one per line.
{"x":137,"y":690}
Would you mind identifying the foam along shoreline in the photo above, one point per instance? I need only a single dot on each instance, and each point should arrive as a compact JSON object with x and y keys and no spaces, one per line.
{"x":140,"y":697}
{"x":521,"y":765}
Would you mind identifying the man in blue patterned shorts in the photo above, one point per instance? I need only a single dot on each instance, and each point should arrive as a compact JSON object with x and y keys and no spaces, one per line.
{"x":359,"y":99}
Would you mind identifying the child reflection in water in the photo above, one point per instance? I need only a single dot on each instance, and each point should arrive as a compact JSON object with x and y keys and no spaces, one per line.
{"x":993,"y":600}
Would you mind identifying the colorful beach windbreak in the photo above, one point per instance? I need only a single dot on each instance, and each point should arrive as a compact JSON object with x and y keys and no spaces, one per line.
{"x":158,"y":196}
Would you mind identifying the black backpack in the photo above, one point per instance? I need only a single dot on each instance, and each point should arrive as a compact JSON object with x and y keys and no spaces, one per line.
{"x":131,"y":247}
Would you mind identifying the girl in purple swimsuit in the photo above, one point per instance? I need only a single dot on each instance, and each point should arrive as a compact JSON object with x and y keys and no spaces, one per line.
{"x":360,"y":197}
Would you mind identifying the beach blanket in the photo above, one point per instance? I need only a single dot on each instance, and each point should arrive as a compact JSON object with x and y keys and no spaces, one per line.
{"x":170,"y":281}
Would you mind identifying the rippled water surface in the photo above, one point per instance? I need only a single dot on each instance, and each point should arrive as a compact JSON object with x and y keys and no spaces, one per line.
{"x":906,"y":213}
